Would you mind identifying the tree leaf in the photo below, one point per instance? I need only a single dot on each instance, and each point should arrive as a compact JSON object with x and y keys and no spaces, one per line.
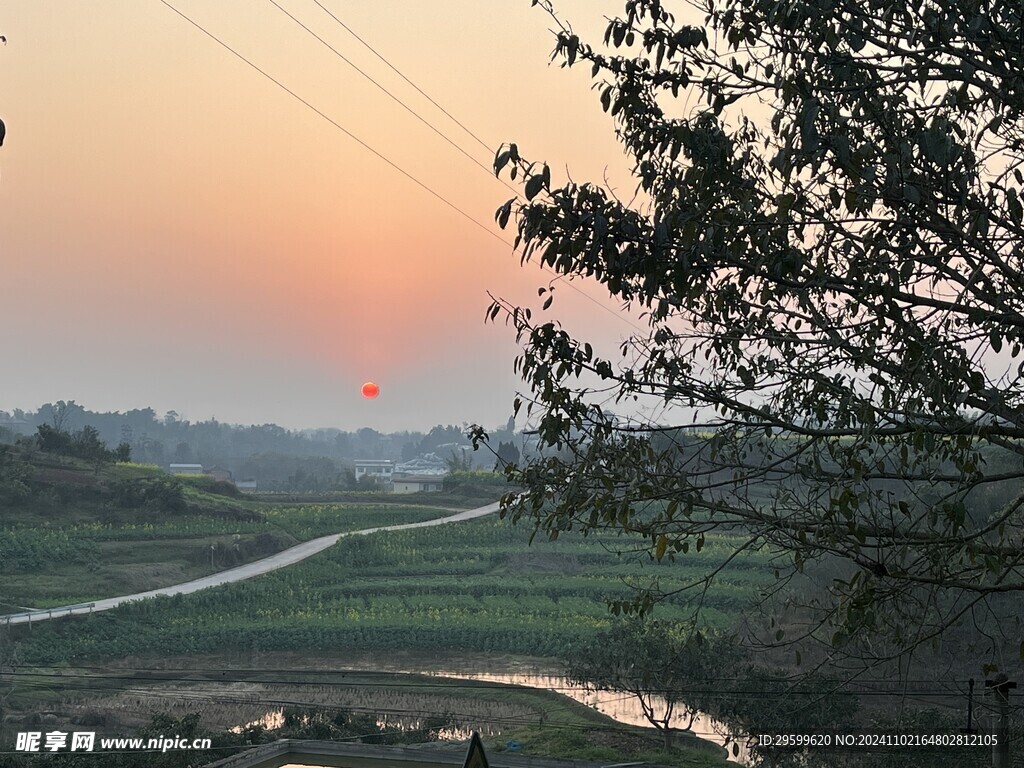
{"x":503,"y":213}
{"x":659,"y":552}
{"x":501,"y":160}
{"x":533,"y":186}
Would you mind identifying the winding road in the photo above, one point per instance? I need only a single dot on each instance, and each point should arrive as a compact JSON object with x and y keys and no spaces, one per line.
{"x":282,"y":559}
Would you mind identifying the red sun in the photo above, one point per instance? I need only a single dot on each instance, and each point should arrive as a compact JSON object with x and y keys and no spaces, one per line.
{"x":370,"y":390}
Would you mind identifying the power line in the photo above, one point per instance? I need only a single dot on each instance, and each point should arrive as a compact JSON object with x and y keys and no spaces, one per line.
{"x":257,"y":701}
{"x":534,"y":717}
{"x":506,"y":721}
{"x":337,"y":125}
{"x":60,"y":671}
{"x":395,"y":69}
{"x":35,"y":678}
{"x":387,"y":160}
{"x":501,"y":721}
{"x":487,"y":146}
{"x":397,"y":100}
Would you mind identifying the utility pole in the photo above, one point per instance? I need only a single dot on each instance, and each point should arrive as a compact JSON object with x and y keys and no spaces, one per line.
{"x":970,"y":729}
{"x":999,"y":688}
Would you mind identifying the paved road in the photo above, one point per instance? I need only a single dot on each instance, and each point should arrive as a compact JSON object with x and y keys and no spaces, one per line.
{"x":241,"y":573}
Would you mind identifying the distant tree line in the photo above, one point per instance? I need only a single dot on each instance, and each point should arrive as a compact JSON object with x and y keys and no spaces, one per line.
{"x":280,"y":459}
{"x":84,"y":443}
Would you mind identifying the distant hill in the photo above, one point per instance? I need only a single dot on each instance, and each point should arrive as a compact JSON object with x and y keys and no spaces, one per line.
{"x":310,"y":460}
{"x":73,"y":530}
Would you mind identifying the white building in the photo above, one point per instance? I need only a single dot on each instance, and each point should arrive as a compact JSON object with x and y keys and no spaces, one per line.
{"x":186,"y":469}
{"x":402,"y":482}
{"x":379,"y":469}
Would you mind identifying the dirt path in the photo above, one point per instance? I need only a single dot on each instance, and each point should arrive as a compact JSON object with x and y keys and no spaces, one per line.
{"x":282,"y":559}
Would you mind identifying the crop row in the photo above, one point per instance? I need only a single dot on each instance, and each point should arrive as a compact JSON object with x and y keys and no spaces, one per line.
{"x":452,"y":587}
{"x":117,"y":640}
{"x":312,"y":520}
{"x":33,"y":547}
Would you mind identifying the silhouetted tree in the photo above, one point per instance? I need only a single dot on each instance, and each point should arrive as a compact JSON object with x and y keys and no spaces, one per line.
{"x":826,"y":290}
{"x":658,"y":663}
{"x":52,"y":440}
{"x":507,"y":454}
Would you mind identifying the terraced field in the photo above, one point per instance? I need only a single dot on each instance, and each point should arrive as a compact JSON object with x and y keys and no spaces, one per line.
{"x":474,"y":586}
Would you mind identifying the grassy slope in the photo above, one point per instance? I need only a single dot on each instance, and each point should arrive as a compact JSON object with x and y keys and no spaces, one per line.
{"x":71,"y":541}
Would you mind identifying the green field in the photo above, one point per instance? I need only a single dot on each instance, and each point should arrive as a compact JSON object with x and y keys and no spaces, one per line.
{"x":87,"y":535}
{"x":474,"y":586}
{"x":43,"y":566}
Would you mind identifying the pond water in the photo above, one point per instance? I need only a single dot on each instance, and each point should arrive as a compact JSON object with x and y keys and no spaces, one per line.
{"x":622,"y":708}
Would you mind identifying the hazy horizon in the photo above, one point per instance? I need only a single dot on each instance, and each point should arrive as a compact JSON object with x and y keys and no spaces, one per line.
{"x":201,"y":418}
{"x":180,"y":233}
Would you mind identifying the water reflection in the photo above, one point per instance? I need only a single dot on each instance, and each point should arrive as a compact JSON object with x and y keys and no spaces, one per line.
{"x":274,"y":719}
{"x":622,"y":708}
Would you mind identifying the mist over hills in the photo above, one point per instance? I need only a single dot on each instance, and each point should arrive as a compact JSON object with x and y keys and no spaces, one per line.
{"x":282,"y":459}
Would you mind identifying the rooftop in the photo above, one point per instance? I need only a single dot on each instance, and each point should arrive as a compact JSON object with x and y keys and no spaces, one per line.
{"x":423,"y":466}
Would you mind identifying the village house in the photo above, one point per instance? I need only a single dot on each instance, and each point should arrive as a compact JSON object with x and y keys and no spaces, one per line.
{"x":379,"y":469}
{"x":185,"y":469}
{"x":404,"y":482}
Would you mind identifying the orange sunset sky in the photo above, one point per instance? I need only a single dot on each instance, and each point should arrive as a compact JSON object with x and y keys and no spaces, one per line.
{"x":176,"y":231}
